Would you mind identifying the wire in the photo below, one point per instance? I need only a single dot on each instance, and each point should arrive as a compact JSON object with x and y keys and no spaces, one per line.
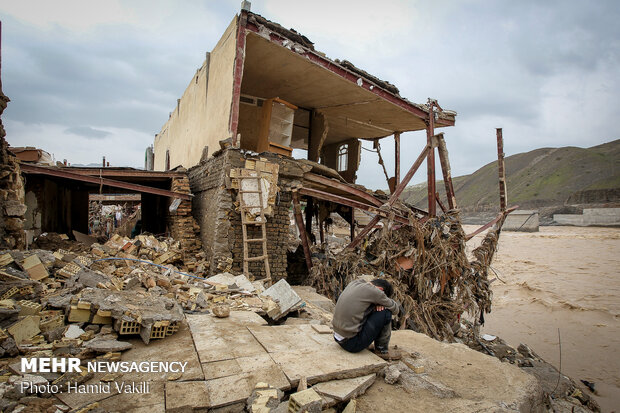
{"x":147,"y":262}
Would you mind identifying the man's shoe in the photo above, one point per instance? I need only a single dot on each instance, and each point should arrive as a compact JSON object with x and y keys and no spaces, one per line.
{"x":389,"y":355}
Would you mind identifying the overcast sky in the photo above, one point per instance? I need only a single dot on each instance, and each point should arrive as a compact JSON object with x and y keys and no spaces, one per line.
{"x":94,"y":78}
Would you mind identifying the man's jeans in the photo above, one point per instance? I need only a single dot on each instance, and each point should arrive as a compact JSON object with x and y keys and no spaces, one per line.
{"x":377,"y":328}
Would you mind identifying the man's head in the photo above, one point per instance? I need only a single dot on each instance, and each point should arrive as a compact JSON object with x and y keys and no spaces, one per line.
{"x":383,"y":285}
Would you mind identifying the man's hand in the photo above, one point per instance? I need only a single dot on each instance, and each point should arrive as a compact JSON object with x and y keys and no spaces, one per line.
{"x":379,"y":308}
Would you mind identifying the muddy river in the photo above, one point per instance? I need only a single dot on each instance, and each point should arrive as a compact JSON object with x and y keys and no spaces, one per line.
{"x":565,"y":278}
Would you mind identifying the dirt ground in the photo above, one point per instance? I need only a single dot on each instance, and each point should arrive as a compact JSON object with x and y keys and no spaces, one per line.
{"x":564,"y":278}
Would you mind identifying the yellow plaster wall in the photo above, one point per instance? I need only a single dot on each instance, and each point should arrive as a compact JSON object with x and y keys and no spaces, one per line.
{"x":202,"y":117}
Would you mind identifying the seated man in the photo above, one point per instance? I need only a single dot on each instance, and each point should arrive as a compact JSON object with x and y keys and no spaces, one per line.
{"x":363,"y":314}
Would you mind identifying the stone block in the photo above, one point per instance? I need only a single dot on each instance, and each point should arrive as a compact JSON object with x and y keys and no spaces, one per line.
{"x":35,"y":268}
{"x":287,"y":299}
{"x":77,"y":315}
{"x":24,"y":329}
{"x":305,"y":401}
{"x":346,"y":389}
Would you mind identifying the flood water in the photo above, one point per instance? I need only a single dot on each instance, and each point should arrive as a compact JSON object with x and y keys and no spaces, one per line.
{"x":565,"y":278}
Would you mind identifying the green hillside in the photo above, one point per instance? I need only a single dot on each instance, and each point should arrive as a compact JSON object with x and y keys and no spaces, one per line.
{"x":542,"y":177}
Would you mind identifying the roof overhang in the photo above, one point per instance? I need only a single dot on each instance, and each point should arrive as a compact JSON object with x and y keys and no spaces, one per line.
{"x":355,"y":105}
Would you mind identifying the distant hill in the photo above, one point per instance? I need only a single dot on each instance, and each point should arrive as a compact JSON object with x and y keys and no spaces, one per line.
{"x":539,"y":178}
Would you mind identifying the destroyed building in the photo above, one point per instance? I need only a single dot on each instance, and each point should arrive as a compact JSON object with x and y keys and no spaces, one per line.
{"x":263,"y":92}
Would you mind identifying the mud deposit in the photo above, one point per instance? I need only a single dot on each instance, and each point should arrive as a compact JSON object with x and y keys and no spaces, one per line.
{"x":566,"y":278}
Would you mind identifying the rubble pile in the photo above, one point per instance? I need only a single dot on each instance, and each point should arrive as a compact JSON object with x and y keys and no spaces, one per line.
{"x":123,"y":287}
{"x":12,"y":194}
{"x":426,"y":263}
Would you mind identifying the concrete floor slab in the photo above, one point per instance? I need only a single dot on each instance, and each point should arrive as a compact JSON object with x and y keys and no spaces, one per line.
{"x":151,"y":402}
{"x":186,"y":396}
{"x":227,"y":338}
{"x":345,"y":389}
{"x":302,"y":352}
{"x":76,"y":400}
{"x":247,"y":372}
{"x":178,"y":347}
{"x":288,"y":337}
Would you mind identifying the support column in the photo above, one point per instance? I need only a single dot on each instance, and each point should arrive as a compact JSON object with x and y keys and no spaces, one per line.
{"x":502,"y":172}
{"x":442,"y":150}
{"x":430,"y":160}
{"x":396,"y":158}
{"x":309,"y":213}
{"x":302,"y":231}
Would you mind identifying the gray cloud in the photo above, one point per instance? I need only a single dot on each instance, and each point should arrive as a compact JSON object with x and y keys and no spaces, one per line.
{"x":87,"y":132}
{"x":540,"y":70}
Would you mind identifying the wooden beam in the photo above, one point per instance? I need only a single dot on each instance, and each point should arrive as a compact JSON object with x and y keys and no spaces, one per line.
{"x":302,"y":231}
{"x":325,"y":196}
{"x":308,"y":176}
{"x":393,"y":198}
{"x":442,"y":150}
{"x":61,"y":173}
{"x":503,"y":197}
{"x":397,"y":157}
{"x":430,"y":163}
{"x":490,"y":224}
{"x":441,"y":205}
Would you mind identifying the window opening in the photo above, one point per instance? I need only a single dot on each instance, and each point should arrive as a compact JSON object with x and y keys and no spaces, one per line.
{"x":343,"y":157}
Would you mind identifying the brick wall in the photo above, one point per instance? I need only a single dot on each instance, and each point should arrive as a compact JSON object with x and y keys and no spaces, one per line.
{"x":12,"y":195}
{"x":181,"y":223}
{"x":220,"y":222}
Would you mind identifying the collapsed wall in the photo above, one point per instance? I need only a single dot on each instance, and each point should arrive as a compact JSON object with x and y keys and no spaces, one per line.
{"x":12,"y":195}
{"x":181,"y":223}
{"x":215,"y":207}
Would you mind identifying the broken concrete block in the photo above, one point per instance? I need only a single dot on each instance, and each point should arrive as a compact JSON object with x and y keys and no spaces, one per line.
{"x":68,"y":270}
{"x":350,"y":407}
{"x":35,"y":268}
{"x":29,"y":307}
{"x":305,"y":401}
{"x":24,"y":329}
{"x":73,"y":331}
{"x":77,"y":315}
{"x":322,"y":329}
{"x":346,"y":389}
{"x":303,"y":384}
{"x":221,"y":310}
{"x":51,"y":320}
{"x":5,"y":259}
{"x":392,"y":374}
{"x":264,"y":399}
{"x":108,"y":346}
{"x":287,"y":299}
{"x":102,"y":317}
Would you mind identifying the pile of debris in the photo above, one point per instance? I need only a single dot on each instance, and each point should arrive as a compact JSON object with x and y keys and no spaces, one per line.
{"x":428,"y":266}
{"x":131,"y":286}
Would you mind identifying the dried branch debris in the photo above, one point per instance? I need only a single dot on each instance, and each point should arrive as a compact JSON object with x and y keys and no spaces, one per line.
{"x":428,"y":266}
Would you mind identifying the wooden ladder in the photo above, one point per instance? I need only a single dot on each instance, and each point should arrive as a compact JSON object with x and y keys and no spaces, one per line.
{"x":260,"y":220}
